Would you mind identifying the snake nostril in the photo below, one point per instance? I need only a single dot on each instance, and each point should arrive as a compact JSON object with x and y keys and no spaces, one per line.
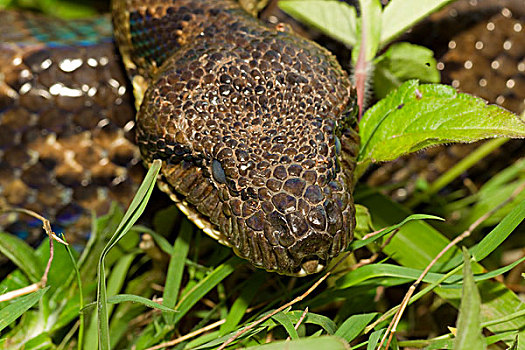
{"x":276,"y":230}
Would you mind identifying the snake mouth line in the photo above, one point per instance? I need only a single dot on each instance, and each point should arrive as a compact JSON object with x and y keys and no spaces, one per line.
{"x":308,"y":266}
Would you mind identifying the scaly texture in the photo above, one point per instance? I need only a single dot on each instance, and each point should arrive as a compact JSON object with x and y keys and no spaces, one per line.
{"x":66,"y":139}
{"x":252,"y":125}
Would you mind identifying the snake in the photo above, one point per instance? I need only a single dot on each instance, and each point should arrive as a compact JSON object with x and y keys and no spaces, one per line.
{"x":254,"y":125}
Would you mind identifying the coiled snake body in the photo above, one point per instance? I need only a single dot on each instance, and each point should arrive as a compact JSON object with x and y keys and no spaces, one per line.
{"x":252,"y":124}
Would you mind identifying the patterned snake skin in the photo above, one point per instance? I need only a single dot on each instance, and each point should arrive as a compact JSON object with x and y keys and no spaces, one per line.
{"x":252,"y":125}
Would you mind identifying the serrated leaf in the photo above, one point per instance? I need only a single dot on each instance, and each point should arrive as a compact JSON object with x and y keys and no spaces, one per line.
{"x":469,"y":331}
{"x":334,"y":18}
{"x":402,"y":62}
{"x":417,"y":116}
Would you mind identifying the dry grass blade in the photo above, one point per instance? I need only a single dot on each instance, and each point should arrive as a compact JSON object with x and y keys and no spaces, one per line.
{"x":301,"y":319}
{"x":46,"y":224}
{"x":188,"y":336}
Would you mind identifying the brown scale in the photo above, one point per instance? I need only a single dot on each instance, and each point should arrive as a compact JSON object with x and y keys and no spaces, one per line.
{"x":251,"y":126}
{"x":480,"y":46}
{"x":66,"y":144}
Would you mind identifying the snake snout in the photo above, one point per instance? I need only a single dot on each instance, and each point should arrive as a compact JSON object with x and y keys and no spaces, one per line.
{"x":293,"y":235}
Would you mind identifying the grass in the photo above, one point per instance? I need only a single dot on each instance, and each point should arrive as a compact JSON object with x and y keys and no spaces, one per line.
{"x":410,"y":280}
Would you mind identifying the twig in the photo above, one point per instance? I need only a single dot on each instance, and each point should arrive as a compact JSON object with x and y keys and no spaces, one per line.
{"x":397,"y":317}
{"x":301,"y":319}
{"x":19,"y":292}
{"x":374,"y":256}
{"x":371,"y":234}
{"x":187,"y":336}
{"x":283,"y":307}
{"x":52,"y":237}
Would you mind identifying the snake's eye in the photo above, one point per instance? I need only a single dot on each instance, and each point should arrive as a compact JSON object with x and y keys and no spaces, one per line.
{"x":218,"y":172}
{"x":337,"y":145}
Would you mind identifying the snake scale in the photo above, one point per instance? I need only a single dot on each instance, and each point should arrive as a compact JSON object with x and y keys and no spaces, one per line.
{"x":253,"y":124}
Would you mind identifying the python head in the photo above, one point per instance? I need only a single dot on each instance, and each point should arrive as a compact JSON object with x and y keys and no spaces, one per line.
{"x":254,"y":128}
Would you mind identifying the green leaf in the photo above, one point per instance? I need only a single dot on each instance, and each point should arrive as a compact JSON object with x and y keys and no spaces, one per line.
{"x":121,"y":298}
{"x":361,"y":243}
{"x":326,"y":323}
{"x":402,"y":62}
{"x":374,"y":339}
{"x":334,"y":18}
{"x":176,"y":266}
{"x":417,"y":116}
{"x":325,"y":342}
{"x":22,"y":255}
{"x":136,"y":208}
{"x":204,"y":286}
{"x":363,"y":221}
{"x":469,"y":331}
{"x":498,"y":235}
{"x":285,"y":321}
{"x":238,"y":309}
{"x":20,"y":305}
{"x":400,"y":15}
{"x":354,"y":325}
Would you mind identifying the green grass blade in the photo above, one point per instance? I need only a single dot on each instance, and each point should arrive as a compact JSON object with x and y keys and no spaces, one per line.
{"x":361,"y":243}
{"x":325,"y":342}
{"x":117,"y":277}
{"x":374,"y":339}
{"x":497,"y":236}
{"x":204,"y":286}
{"x":121,"y":298}
{"x":132,"y":214}
{"x":469,"y":332}
{"x":354,"y":325}
{"x":80,"y":341}
{"x":509,"y":317}
{"x":14,"y":310}
{"x":238,"y":309}
{"x":22,"y":255}
{"x":285,"y":321}
{"x":311,"y":318}
{"x":176,"y":267}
